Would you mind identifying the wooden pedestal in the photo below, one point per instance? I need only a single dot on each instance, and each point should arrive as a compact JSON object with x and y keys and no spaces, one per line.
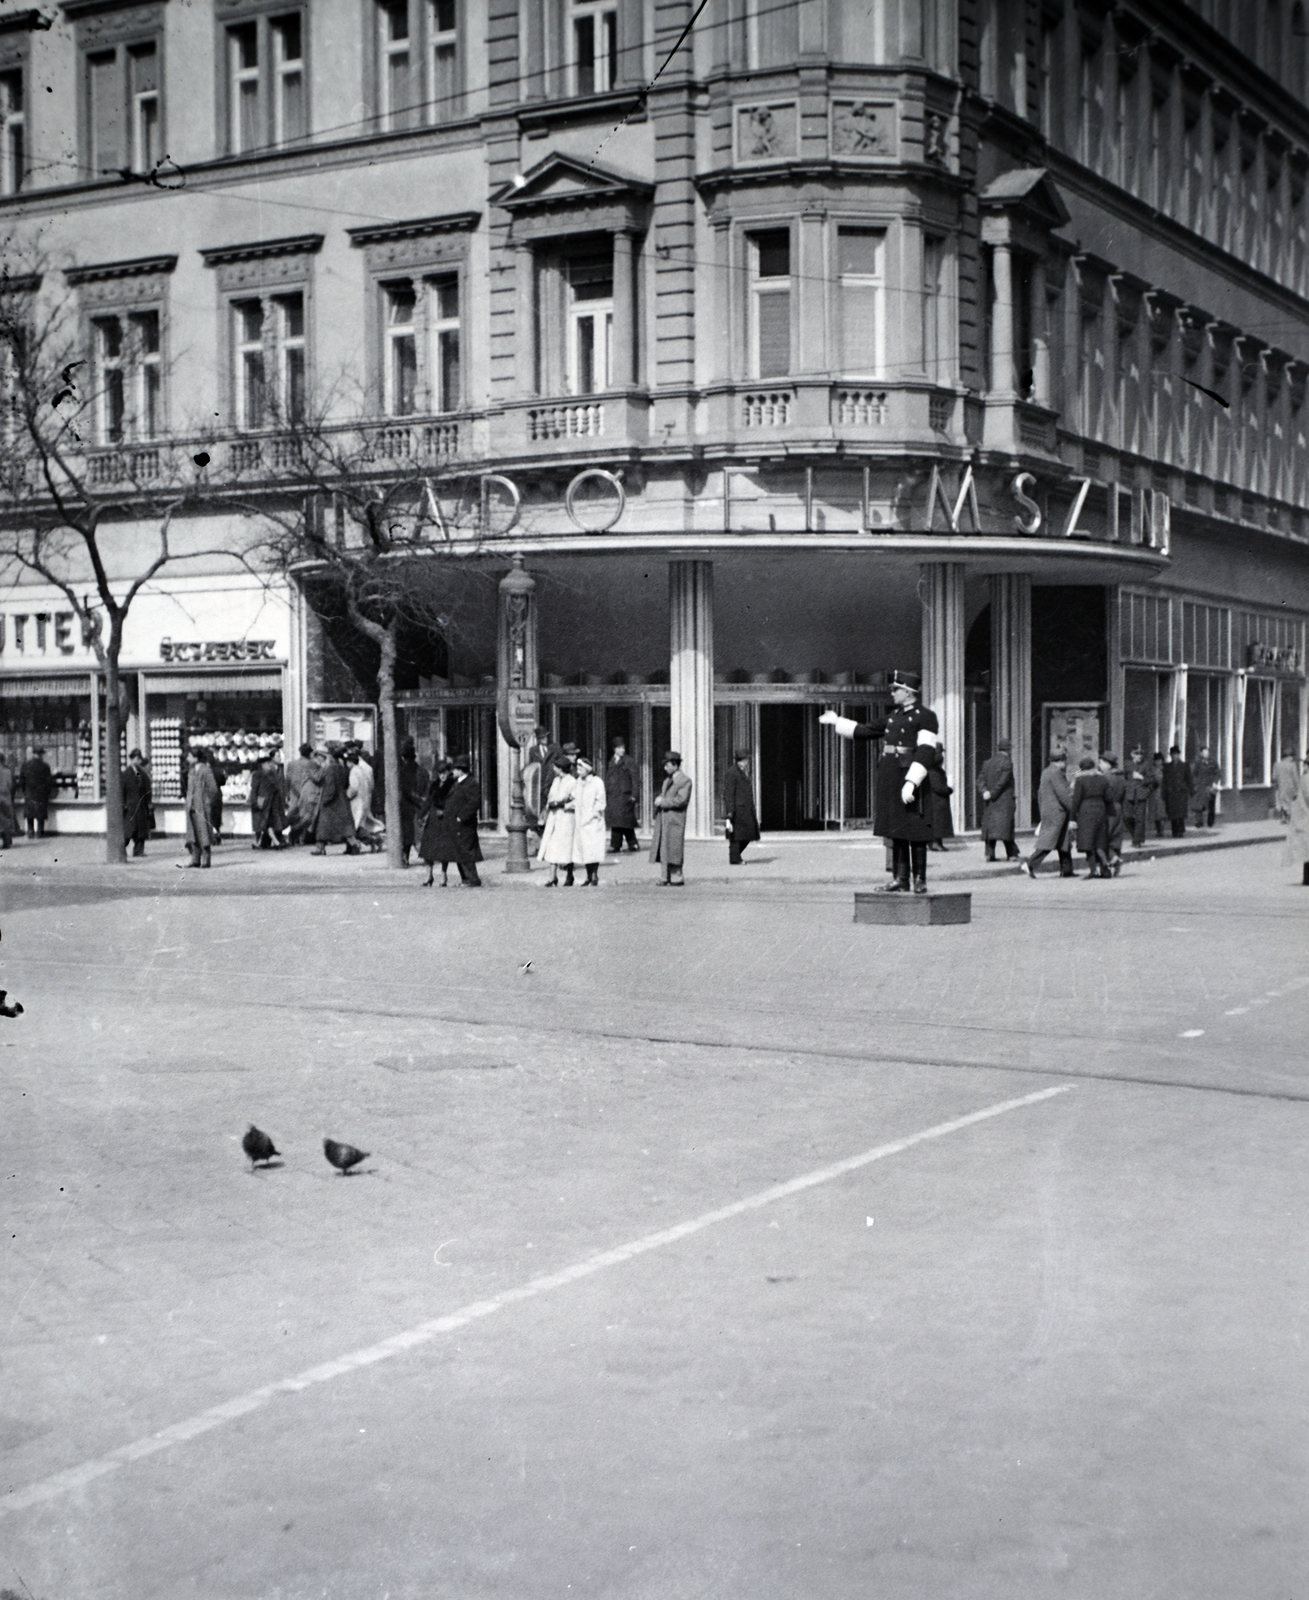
{"x":912,"y":910}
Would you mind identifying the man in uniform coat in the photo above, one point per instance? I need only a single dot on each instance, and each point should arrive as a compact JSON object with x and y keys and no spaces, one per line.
{"x":1055,"y":803}
{"x":995,"y":784}
{"x":38,"y":785}
{"x":622,"y":782}
{"x":137,"y":801}
{"x":742,"y":824}
{"x":912,"y":740}
{"x":462,"y":806}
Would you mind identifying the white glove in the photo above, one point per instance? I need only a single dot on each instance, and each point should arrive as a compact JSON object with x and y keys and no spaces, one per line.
{"x":828,"y":717}
{"x":907,"y":794}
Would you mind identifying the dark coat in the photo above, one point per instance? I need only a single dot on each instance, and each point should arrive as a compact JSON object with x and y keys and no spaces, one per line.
{"x":915,"y":730}
{"x":435,"y":844}
{"x":38,"y":788}
{"x":540,"y":763}
{"x":1140,"y":785}
{"x":942,"y":818}
{"x":622,"y":780}
{"x":997,"y":779}
{"x":458,"y":823}
{"x":413,"y":791}
{"x":8,"y":822}
{"x":202,"y":800}
{"x":1055,"y":802}
{"x":1091,"y":812}
{"x":298,"y":773}
{"x":267,"y":803}
{"x":138,"y":818}
{"x":1208,"y":775}
{"x":738,"y":805}
{"x":1114,"y":797}
{"x":335,"y":823}
{"x":1178,"y":787}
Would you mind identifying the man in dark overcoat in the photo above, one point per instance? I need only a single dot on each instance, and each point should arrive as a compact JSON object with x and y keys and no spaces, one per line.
{"x":1055,"y":804}
{"x":138,"y":817}
{"x":462,"y":806}
{"x":1208,"y":775}
{"x":298,"y":773}
{"x":8,"y":822}
{"x":1115,"y":795}
{"x":38,"y":786}
{"x":413,"y":792}
{"x":335,"y":822}
{"x":742,"y":822}
{"x":622,"y":780}
{"x":267,"y":806}
{"x":902,"y":812}
{"x":995,"y":784}
{"x":1178,"y":787}
{"x":1138,"y":788}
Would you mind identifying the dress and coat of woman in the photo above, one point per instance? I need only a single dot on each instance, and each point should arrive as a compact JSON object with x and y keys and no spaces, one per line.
{"x":668,"y":844}
{"x":589,"y":812}
{"x":436,"y":842}
{"x":458,"y":825}
{"x":939,"y":791}
{"x":334,"y":821}
{"x":1090,"y":811}
{"x":1297,"y":836}
{"x":560,"y":812}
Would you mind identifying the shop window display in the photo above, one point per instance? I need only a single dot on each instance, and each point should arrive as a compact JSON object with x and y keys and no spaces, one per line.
{"x":240,"y":727}
{"x":59,"y":722}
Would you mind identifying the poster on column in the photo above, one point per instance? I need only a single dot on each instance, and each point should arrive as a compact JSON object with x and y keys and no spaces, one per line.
{"x":1071,"y":728}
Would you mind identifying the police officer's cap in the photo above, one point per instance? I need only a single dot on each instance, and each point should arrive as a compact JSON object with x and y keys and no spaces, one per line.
{"x":906,"y":680}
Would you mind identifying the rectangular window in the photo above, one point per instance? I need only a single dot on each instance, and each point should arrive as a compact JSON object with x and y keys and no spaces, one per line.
{"x":13,"y":132}
{"x":111,"y":396}
{"x":266,"y":95}
{"x":590,"y":282}
{"x":289,"y":87}
{"x":104,"y":76}
{"x":933,"y":333}
{"x":401,"y":385}
{"x":595,"y":47}
{"x":859,"y":266}
{"x":290,"y":311}
{"x":243,"y":58}
{"x":772,"y":32}
{"x":143,"y":86}
{"x":395,"y":65}
{"x":445,"y":330}
{"x":248,"y":316}
{"x":144,"y":331}
{"x":447,"y":102}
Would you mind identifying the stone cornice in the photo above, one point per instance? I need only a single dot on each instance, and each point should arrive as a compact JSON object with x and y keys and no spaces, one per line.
{"x":416,"y":228}
{"x":101,"y":271}
{"x":76,"y":9}
{"x":299,"y":244}
{"x":29,"y":21}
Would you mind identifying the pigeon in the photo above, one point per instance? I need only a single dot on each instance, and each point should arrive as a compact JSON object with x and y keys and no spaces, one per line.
{"x":343,"y":1156}
{"x":6,"y":1010}
{"x":258,"y":1146}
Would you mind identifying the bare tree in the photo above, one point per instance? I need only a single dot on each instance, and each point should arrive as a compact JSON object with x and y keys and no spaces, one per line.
{"x":394,"y":532}
{"x":70,"y":515}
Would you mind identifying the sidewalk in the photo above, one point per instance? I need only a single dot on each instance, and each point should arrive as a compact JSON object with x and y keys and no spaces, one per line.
{"x":793,"y":858}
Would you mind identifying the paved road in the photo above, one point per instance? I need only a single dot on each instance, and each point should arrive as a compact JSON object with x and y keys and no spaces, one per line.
{"x":570,"y":1331}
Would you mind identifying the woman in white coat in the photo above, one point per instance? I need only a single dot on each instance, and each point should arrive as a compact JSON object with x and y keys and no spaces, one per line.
{"x":589,"y":821}
{"x":556,"y":845}
{"x":360,"y":793}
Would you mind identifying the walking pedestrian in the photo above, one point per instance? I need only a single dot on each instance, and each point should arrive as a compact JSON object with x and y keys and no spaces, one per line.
{"x":333,"y":820}
{"x":912,"y":740}
{"x":267,"y":806}
{"x":201,"y":801}
{"x":1114,"y":796}
{"x":359,"y":788}
{"x":413,"y":790}
{"x":668,"y":841}
{"x":1158,"y":810}
{"x":298,"y":803}
{"x":1054,"y":800}
{"x":138,"y":816}
{"x":938,"y":799}
{"x":1297,"y":838}
{"x":589,"y":808}
{"x":1178,"y":787}
{"x":1208,"y":775}
{"x":8,"y":820}
{"x":462,"y":806}
{"x":1090,"y":810}
{"x":1138,"y":789}
{"x":622,"y":781}
{"x":995,"y":784}
{"x":1286,"y":785}
{"x":741,"y":823}
{"x":435,"y":842}
{"x":38,"y":786}
{"x":560,"y":813}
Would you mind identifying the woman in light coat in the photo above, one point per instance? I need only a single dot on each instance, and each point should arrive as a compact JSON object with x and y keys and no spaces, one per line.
{"x":1297,"y":838}
{"x":556,"y":845}
{"x":360,"y":791}
{"x":668,"y":845}
{"x":589,"y":821}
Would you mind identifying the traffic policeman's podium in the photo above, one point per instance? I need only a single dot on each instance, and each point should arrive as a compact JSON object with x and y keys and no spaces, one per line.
{"x":930,"y":910}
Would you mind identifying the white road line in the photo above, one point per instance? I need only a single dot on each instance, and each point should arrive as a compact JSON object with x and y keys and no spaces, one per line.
{"x":206,"y":1421}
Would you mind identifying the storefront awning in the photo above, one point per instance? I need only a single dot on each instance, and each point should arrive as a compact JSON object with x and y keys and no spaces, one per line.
{"x":68,"y":685}
{"x":213,"y":682}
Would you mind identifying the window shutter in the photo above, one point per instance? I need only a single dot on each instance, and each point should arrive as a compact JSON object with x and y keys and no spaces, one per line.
{"x":775,"y":333}
{"x":106,"y":111}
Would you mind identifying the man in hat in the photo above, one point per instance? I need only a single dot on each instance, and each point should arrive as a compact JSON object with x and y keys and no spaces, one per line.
{"x":138,"y":817}
{"x":1178,"y":787}
{"x":1208,"y":775}
{"x":38,"y":785}
{"x":668,"y":841}
{"x":995,"y":784}
{"x":1115,"y":795}
{"x":742,"y":823}
{"x":622,"y":781}
{"x":413,"y":791}
{"x":1138,"y":787}
{"x":912,"y":741}
{"x":539,"y":761}
{"x":1055,"y":802}
{"x":462,"y":807}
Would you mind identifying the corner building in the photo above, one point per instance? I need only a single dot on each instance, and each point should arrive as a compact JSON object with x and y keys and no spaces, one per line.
{"x":962,"y":335}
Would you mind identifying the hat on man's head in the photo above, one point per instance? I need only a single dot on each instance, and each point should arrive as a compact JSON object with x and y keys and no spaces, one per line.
{"x":1004,"y":744}
{"x":1086,"y":764}
{"x":409,"y":748}
{"x":675,"y":756}
{"x":461,"y":763}
{"x":571,"y":749}
{"x":1109,"y":758}
{"x":741,"y":755}
{"x":135,"y":755}
{"x":906,"y":680}
{"x":1174,"y":750}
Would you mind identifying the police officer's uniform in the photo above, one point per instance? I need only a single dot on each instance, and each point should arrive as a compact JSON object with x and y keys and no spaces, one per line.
{"x":911,"y":739}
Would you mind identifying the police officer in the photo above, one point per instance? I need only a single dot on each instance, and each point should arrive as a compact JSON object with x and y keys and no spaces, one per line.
{"x":912,"y":741}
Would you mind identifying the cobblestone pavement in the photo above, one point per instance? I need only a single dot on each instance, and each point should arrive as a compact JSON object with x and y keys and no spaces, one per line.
{"x":573,"y":1329}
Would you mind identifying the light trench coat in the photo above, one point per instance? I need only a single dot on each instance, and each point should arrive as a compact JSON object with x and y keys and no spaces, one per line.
{"x":556,"y":845}
{"x":360,"y":791}
{"x":668,"y":843}
{"x":589,"y":822}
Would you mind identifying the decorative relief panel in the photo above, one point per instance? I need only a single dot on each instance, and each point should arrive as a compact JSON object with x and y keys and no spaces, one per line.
{"x":413,"y":246}
{"x":865,"y":130}
{"x":264,"y":265}
{"x":121,"y":283}
{"x":103,"y":24}
{"x":766,"y":133}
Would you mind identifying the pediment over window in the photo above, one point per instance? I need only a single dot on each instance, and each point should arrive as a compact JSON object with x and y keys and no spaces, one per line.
{"x":563,"y":194}
{"x":1024,"y":201}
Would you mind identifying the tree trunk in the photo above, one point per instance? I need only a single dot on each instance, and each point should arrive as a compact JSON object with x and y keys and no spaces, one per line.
{"x":390,"y":749}
{"x":115,"y":845}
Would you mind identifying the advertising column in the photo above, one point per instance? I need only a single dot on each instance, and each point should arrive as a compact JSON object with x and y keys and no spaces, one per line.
{"x":691,"y":684}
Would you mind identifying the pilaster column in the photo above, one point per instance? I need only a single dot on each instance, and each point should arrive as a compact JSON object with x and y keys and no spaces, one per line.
{"x":1040,"y":335}
{"x":624,"y":358}
{"x":525,"y":339}
{"x":1002,"y":321}
{"x":691,"y":684}
{"x":942,"y":592}
{"x":1011,"y":679}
